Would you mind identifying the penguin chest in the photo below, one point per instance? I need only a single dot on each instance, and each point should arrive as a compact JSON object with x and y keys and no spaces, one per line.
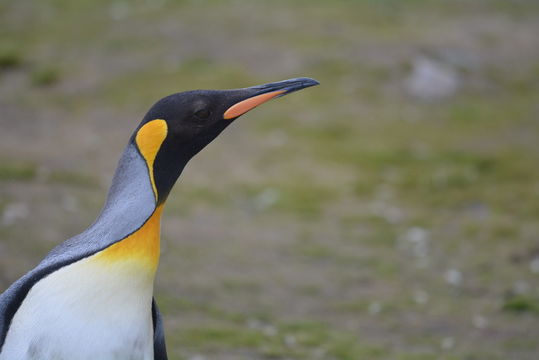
{"x":96,"y":308}
{"x":84,"y":312}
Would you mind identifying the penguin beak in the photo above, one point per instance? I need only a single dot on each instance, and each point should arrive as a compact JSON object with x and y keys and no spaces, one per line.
{"x":257,"y":95}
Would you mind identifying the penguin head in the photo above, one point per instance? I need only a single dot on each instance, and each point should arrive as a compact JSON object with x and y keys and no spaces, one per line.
{"x":178,"y":126}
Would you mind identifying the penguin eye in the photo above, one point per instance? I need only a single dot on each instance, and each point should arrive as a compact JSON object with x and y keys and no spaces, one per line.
{"x":203,"y":113}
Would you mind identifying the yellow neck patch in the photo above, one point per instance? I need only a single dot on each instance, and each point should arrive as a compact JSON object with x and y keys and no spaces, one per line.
{"x":149,"y":139}
{"x":142,"y":246}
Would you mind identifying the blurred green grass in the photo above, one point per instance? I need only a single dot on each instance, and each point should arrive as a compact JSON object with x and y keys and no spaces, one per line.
{"x":348,"y":221}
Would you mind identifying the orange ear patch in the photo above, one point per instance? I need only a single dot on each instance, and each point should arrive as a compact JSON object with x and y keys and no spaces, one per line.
{"x":149,"y":139}
{"x":248,"y":104}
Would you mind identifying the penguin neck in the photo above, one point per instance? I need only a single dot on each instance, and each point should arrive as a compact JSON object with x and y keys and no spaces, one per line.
{"x":139,"y":252}
{"x":169,"y":165}
{"x":130,"y":209}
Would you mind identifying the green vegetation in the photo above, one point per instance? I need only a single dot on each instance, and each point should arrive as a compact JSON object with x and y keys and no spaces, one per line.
{"x":298,"y":339}
{"x":10,"y":57}
{"x":20,"y":171}
{"x":354,"y":220}
{"x":522,"y":304}
{"x":72,"y":178}
{"x":45,"y":76}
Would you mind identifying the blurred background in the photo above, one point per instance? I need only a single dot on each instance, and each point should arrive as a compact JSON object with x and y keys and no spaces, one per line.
{"x":389,"y":213}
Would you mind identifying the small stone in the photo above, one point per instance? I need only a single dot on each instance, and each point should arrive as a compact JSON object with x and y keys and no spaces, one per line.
{"x":521,"y":287}
{"x":421,"y":297}
{"x":374,"y":308}
{"x":269,"y":330}
{"x":416,"y":240}
{"x":479,"y":210}
{"x":448,"y":343}
{"x":453,"y":277}
{"x":432,"y":79}
{"x":534,"y":265}
{"x":479,"y":321}
{"x":290,"y":340}
{"x":14,"y":212}
{"x":417,"y":235}
{"x":266,"y":199}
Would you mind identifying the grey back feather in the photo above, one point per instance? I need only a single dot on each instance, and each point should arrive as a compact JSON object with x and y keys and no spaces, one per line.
{"x":129,"y":204}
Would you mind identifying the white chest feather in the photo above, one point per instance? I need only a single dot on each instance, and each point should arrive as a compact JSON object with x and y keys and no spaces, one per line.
{"x":92,"y":309}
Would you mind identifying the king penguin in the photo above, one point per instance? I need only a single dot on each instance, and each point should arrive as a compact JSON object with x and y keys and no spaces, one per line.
{"x":91,"y":298}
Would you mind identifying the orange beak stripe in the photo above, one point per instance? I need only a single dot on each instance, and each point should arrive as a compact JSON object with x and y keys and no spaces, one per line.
{"x":248,"y":104}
